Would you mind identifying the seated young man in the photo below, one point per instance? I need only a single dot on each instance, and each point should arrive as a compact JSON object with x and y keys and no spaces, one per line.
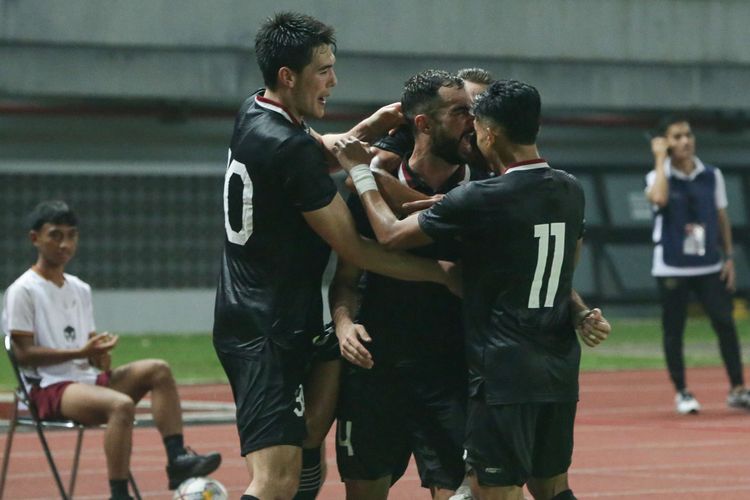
{"x":49,"y":316}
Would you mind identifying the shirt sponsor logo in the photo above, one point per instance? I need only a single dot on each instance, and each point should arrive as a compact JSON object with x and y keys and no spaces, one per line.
{"x":69,"y":333}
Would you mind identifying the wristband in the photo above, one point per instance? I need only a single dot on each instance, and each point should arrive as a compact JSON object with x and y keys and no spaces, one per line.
{"x":363,"y":179}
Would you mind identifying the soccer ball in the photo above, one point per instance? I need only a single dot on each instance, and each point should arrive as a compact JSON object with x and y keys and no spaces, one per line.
{"x":200,"y":488}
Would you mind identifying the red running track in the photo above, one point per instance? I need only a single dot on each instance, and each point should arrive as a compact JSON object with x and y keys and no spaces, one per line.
{"x":629,"y":444}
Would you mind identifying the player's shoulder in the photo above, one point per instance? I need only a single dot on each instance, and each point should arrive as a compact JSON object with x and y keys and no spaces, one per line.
{"x":77,"y":283}
{"x":565,"y":176}
{"x":27,"y":281}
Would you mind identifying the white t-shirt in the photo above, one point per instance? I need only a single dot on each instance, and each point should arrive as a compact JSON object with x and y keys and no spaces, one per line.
{"x":59,"y":317}
{"x":659,"y":268}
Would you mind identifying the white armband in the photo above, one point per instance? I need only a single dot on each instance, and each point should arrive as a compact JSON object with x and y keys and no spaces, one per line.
{"x":363,"y":179}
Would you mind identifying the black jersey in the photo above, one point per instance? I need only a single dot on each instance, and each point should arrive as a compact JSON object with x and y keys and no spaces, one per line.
{"x":413,"y":322}
{"x":401,"y":142}
{"x":273,"y":262}
{"x":519,"y":233}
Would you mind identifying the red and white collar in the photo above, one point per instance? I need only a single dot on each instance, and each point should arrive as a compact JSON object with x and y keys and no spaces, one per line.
{"x":405,"y":176}
{"x":527,"y":165}
{"x":279,"y":108}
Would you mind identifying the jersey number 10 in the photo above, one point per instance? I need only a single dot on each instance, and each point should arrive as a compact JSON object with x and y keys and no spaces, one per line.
{"x":238,"y":211}
{"x":542,"y":232}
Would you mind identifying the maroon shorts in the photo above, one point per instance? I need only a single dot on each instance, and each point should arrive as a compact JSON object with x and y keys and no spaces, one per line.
{"x":48,"y":400}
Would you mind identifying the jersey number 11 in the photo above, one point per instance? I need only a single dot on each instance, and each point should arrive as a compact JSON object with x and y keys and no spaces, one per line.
{"x":542,"y":232}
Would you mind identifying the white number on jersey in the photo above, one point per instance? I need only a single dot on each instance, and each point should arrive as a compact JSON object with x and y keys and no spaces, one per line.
{"x":238,"y":169}
{"x":542,"y":232}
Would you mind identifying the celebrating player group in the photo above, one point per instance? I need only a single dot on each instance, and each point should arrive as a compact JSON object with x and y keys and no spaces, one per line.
{"x":456,"y":325}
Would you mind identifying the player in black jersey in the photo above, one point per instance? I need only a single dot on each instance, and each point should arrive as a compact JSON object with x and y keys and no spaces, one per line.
{"x":391,"y":148}
{"x":281,"y":215}
{"x":413,"y":400}
{"x":520,"y":237}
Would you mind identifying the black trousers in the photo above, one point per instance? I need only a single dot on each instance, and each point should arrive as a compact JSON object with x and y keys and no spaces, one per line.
{"x":711,"y":291}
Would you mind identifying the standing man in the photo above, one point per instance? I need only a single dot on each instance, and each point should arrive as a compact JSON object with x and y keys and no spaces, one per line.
{"x":50,"y":319}
{"x":693,"y":253}
{"x":520,"y":235}
{"x":405,"y":392}
{"x":282,"y":214}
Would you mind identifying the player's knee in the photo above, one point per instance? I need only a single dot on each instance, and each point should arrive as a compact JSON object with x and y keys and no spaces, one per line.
{"x":317,"y":429}
{"x":159,"y":373}
{"x":122,"y":408}
{"x":282,"y":483}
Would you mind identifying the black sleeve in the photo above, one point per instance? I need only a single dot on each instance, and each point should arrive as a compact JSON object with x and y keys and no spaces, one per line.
{"x":360,"y":216}
{"x":449,"y":217}
{"x":400,"y":143}
{"x":302,"y":165}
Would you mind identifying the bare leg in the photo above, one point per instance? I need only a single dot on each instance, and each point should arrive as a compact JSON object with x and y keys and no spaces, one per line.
{"x":94,"y":405}
{"x":544,"y":489}
{"x":367,"y":490}
{"x":496,"y":492}
{"x":441,"y":493}
{"x":136,"y":379}
{"x":274,"y":471}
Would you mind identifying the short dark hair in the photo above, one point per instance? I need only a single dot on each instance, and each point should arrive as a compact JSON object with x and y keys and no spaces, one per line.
{"x":53,"y":212}
{"x":667,"y":121}
{"x":288,"y":39}
{"x":515,"y":106}
{"x":476,"y":75}
{"x":420,"y":95}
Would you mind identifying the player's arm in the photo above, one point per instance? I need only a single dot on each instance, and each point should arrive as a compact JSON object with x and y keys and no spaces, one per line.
{"x":335,"y":225}
{"x":376,"y":125}
{"x":399,"y":197}
{"x":29,"y":354}
{"x":591,"y":325}
{"x":389,"y":230}
{"x":727,"y":269}
{"x":344,"y":297}
{"x":658,"y":191}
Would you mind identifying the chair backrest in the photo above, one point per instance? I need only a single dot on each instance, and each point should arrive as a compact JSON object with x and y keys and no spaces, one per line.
{"x":22,"y":393}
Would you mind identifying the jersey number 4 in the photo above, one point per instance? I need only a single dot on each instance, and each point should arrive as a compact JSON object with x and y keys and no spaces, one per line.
{"x":238,"y":203}
{"x":542,"y":232}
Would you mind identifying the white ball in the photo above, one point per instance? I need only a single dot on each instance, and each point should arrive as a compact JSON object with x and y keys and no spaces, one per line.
{"x":200,"y":488}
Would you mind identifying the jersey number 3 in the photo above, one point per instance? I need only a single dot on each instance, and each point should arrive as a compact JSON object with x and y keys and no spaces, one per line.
{"x":542,"y":232}
{"x":238,"y":203}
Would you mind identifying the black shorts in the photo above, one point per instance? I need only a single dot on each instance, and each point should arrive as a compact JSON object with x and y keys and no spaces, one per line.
{"x":386,"y":415}
{"x":508,"y":444}
{"x":326,"y":345}
{"x":266,"y":382}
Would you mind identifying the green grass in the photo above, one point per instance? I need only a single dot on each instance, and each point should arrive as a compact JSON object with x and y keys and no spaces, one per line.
{"x":633,"y":344}
{"x":636,"y":344}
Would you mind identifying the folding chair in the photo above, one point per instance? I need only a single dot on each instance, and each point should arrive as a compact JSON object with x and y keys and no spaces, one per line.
{"x":25,"y":414}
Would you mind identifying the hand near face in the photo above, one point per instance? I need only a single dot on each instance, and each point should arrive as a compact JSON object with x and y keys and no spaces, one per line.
{"x":659,"y":147}
{"x":350,"y":152}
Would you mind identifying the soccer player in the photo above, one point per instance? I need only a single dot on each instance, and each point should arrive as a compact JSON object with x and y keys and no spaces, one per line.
{"x":282,"y":216}
{"x":50,"y":319}
{"x":520,"y":237}
{"x":390,"y":149}
{"x":413,"y":399}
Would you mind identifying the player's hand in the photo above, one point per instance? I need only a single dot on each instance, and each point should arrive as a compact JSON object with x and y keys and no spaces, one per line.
{"x":593,"y":327}
{"x":386,"y":119}
{"x":102,"y":361}
{"x":659,"y":147}
{"x":415,"y":206}
{"x":728,"y":275}
{"x":350,"y":345}
{"x":350,"y":152}
{"x":99,"y":344}
{"x":453,"y":276}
